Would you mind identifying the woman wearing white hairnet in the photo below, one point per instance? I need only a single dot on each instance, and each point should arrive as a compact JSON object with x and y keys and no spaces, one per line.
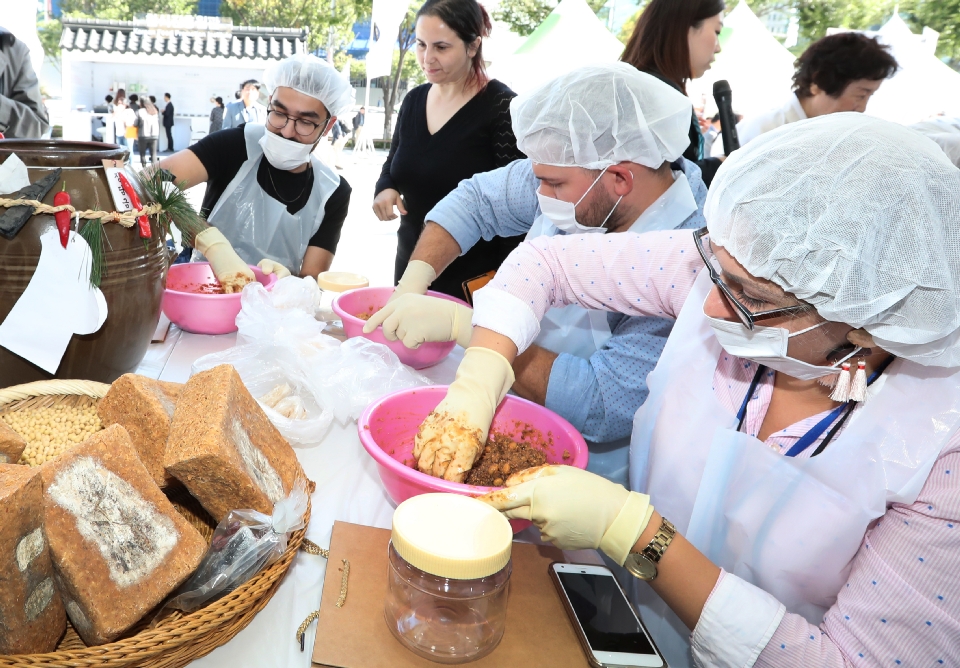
{"x":268,"y":199}
{"x":800,"y":441}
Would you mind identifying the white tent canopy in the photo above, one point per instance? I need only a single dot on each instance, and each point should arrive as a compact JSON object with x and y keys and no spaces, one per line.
{"x":923,"y":86}
{"x":757,"y":66}
{"x":570,"y":37}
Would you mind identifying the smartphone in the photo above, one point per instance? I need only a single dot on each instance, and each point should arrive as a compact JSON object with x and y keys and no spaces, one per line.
{"x":606,"y":624}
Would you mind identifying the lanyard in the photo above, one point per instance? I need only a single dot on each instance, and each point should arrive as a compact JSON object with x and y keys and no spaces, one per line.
{"x":817,"y":430}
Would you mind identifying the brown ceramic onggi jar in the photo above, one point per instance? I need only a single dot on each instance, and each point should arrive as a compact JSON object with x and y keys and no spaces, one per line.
{"x":134,"y":275}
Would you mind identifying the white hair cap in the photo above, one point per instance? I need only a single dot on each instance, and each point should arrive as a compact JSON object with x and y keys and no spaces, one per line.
{"x":314,"y":77}
{"x":602,"y":115}
{"x":857,"y":216}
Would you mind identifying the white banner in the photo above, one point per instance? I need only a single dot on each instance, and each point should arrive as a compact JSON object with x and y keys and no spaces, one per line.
{"x":384,"y":26}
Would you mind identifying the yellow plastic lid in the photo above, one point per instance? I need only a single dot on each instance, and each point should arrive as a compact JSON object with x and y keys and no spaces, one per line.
{"x":341,"y":281}
{"x":452,"y":536}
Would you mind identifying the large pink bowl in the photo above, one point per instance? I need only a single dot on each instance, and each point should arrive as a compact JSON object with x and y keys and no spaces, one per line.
{"x":388,"y":426}
{"x":370,"y":300}
{"x":203,"y":314}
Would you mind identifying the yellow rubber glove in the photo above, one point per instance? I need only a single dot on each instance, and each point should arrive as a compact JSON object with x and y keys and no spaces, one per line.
{"x":270,"y":267}
{"x":417,"y":319}
{"x":416,"y":278}
{"x":574,"y":509}
{"x":232,"y":272}
{"x":455,"y":433}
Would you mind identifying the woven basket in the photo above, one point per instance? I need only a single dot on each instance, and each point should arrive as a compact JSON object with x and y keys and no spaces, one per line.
{"x":180,"y":638}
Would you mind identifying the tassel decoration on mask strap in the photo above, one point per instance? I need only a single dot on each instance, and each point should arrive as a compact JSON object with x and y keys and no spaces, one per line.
{"x":841,"y":391}
{"x":858,"y":389}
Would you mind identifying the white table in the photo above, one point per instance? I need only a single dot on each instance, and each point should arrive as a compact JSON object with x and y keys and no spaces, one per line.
{"x":348,"y":489}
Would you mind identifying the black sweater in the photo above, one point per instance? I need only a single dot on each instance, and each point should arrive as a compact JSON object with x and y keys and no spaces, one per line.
{"x":424,"y":168}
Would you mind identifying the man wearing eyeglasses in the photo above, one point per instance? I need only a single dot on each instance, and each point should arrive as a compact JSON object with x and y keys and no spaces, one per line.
{"x":268,"y":200}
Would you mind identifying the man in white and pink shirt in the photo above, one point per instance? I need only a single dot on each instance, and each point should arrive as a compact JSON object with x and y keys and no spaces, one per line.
{"x":801,"y":440}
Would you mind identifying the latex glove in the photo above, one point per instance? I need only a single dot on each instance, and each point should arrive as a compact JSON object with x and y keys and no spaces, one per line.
{"x":232,"y":272}
{"x":575,"y":509}
{"x":416,"y":278}
{"x":271,"y":267}
{"x":384,"y":202}
{"x":455,"y":433}
{"x":416,"y":319}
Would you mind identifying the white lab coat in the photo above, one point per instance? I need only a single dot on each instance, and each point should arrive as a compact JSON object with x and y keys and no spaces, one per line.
{"x":752,"y":127}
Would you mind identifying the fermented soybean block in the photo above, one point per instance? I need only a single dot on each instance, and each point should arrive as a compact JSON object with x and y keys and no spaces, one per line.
{"x":12,"y":444}
{"x":117,"y":544}
{"x":31,"y":613}
{"x":144,"y":407}
{"x":224,"y":448}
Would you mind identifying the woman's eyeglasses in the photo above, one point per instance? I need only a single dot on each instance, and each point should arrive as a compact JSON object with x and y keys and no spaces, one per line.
{"x":743,"y":312}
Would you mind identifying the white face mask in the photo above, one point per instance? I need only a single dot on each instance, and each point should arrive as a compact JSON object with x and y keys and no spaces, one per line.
{"x":768,"y":346}
{"x":564,"y":214}
{"x":284,"y":153}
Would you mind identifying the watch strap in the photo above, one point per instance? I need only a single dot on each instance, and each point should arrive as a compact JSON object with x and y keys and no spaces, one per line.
{"x":660,"y":541}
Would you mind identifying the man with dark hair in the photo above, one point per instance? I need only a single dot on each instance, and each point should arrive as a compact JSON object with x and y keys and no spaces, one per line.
{"x":837,"y":73}
{"x":134,"y":100}
{"x":247,"y":109}
{"x":168,"y":121}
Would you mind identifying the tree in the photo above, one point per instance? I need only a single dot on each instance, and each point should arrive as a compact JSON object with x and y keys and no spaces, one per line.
{"x":523,"y":16}
{"x":125,"y":10}
{"x":406,"y":37}
{"x":944,"y":17}
{"x":330,"y":21}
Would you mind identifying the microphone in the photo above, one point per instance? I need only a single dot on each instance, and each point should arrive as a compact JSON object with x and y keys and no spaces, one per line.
{"x":728,"y":122}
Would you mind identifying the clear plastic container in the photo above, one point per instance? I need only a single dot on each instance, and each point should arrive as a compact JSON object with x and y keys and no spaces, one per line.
{"x":450,"y":604}
{"x":442,"y":619}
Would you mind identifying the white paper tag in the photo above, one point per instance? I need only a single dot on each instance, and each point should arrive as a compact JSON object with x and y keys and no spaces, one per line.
{"x":13,"y":175}
{"x":58,"y":303}
{"x":120,"y":199}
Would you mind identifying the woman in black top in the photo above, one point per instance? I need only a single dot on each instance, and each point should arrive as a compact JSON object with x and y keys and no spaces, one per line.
{"x":447,"y":130}
{"x":677,"y":40}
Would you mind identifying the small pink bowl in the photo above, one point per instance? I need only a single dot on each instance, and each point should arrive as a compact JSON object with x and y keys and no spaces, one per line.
{"x":199,"y":313}
{"x":371,"y":300}
{"x":388,"y":426}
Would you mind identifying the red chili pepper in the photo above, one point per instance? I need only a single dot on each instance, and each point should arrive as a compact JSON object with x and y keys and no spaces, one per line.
{"x":143,"y":222}
{"x":62,"y":217}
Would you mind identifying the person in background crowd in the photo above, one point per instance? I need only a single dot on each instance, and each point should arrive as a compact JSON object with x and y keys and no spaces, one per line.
{"x":711,"y":134}
{"x":135,"y":108}
{"x":449,"y":129}
{"x":675,"y":41}
{"x":267,"y":195}
{"x":247,"y":109}
{"x":153,"y":99}
{"x":358,"y":120}
{"x":109,"y":100}
{"x":339,"y":136}
{"x":22,"y":112}
{"x":149,"y":132}
{"x":216,"y":115}
{"x":836,"y":73}
{"x":168,"y":120}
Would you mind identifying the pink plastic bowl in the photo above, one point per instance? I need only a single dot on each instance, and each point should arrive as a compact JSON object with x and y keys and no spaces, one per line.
{"x":388,"y":426}
{"x":203,"y":314}
{"x":371,"y":300}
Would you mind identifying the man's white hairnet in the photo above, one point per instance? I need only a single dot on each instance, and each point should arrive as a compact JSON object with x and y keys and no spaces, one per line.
{"x":601,"y":115}
{"x":314,"y":77}
{"x":857,"y":216}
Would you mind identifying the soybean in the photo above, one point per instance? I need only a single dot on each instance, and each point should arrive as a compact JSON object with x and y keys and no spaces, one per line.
{"x":51,"y":431}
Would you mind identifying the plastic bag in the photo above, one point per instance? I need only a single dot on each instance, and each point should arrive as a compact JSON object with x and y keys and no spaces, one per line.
{"x":244,"y":543}
{"x":282,"y":342}
{"x":263,"y":368}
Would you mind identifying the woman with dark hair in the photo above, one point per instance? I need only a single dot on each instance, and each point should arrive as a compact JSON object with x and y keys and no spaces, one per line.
{"x":449,"y":129}
{"x":675,"y":41}
{"x":837,"y":73}
{"x":216,"y":115}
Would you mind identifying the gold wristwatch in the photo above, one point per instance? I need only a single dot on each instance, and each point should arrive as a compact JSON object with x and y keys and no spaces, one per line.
{"x":643,"y":565}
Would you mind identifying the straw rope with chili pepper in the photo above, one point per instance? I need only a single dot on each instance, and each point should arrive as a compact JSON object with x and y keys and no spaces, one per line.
{"x":62,"y":217}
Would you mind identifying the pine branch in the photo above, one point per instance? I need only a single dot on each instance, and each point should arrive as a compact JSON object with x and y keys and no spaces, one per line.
{"x":177,"y":210}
